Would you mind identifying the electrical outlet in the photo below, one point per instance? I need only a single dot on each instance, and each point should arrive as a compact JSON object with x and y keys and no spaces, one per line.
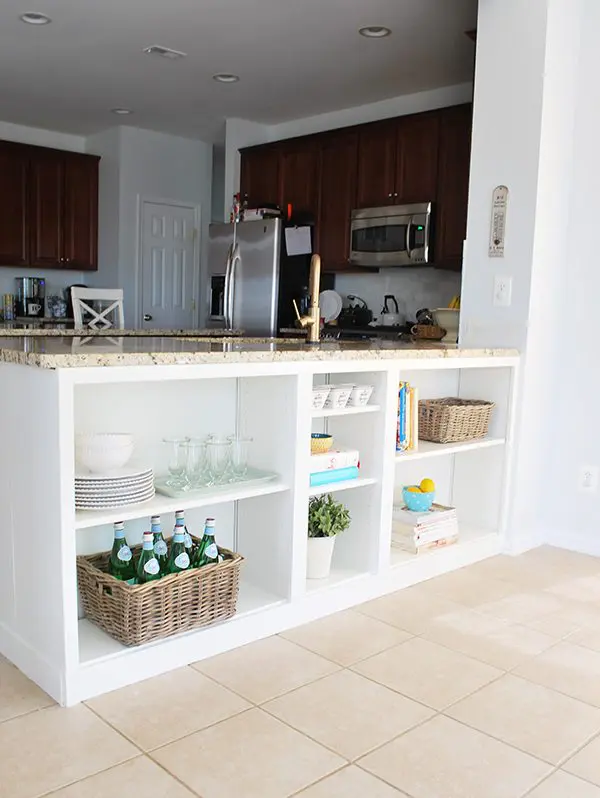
{"x":502,"y":291}
{"x":588,"y":479}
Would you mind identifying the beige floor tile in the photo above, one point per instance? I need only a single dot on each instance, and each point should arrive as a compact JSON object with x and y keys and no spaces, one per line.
{"x":266,"y":669}
{"x":348,"y":713}
{"x":542,"y":722}
{"x":431,"y":674}
{"x":586,"y":763}
{"x":159,"y":710}
{"x":251,"y":755}
{"x":563,"y":785}
{"x":499,"y":643}
{"x":409,"y":609}
{"x":581,"y":615}
{"x":468,"y":589}
{"x":580,"y":588}
{"x":586,"y":637}
{"x":573,"y":670}
{"x":347,"y":637}
{"x":139,"y":776}
{"x":523,"y":607}
{"x":444,"y":759}
{"x":51,"y":748}
{"x":18,"y":695}
{"x":554,"y":625}
{"x":538,"y":568}
{"x":351,"y":782}
{"x":561,"y":562}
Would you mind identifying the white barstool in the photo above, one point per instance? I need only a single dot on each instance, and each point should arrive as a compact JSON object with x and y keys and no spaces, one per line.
{"x":110,"y":317}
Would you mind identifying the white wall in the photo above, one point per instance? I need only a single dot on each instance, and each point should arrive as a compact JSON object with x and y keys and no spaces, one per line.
{"x":238,"y":133}
{"x":56,"y":279}
{"x":107,"y":144}
{"x":218,"y":184}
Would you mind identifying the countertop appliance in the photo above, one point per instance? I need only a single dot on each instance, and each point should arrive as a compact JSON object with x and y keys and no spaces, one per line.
{"x":252,"y":279}
{"x":395,"y":235}
{"x":31,"y":297}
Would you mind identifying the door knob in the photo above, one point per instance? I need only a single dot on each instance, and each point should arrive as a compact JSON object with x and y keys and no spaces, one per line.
{"x":147,"y":317}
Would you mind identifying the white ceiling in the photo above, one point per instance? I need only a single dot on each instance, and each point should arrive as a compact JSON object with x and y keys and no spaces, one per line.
{"x":296,"y":58}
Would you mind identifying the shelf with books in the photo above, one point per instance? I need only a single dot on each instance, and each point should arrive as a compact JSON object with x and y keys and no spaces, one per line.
{"x":428,"y":449}
{"x":473,"y":544}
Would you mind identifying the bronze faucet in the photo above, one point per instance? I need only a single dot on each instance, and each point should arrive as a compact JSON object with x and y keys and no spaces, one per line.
{"x":313,"y":319}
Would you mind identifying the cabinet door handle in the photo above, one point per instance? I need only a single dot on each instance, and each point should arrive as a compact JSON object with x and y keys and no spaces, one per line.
{"x":390,"y":195}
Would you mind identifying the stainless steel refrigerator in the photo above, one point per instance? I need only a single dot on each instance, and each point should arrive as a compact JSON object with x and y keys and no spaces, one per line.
{"x":244,"y":276}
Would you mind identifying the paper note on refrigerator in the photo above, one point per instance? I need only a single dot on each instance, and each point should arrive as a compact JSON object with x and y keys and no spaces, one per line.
{"x":298,"y":240}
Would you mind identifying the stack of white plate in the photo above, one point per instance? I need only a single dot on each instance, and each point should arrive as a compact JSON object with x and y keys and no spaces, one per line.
{"x":129,"y":485}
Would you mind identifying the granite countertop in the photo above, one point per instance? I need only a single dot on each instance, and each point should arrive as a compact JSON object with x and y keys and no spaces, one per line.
{"x":6,"y":330}
{"x":74,"y":352}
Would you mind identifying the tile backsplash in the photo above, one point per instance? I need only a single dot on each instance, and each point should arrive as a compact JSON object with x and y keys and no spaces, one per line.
{"x":414,"y":288}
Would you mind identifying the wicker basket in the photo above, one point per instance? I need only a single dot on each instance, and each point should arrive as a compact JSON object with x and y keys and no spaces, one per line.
{"x":135,"y":614}
{"x":429,"y":332}
{"x":451,"y":420}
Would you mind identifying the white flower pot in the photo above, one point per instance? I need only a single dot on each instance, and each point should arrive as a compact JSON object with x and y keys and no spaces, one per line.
{"x":318,"y":560}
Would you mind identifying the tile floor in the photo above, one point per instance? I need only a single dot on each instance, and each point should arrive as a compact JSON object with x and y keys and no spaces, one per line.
{"x":483,"y":683}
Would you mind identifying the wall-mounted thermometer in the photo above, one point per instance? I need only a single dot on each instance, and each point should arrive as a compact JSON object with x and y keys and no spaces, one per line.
{"x":498,"y":225}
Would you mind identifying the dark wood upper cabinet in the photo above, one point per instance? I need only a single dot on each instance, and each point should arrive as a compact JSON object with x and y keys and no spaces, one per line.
{"x":376,"y":164}
{"x":259,"y":178}
{"x":14,"y":205}
{"x":47,"y":227}
{"x":453,"y":185}
{"x":80,"y":243}
{"x":300,"y":176}
{"x":417,"y":158}
{"x":337,"y":198}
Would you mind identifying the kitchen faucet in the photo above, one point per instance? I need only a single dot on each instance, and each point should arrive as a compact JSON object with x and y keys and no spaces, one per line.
{"x":313,"y":319}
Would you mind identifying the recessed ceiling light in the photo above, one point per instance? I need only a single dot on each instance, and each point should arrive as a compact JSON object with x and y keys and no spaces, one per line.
{"x":375,"y":32}
{"x":226,"y":77}
{"x":33,"y":18}
{"x":120,"y":111}
{"x":165,"y":52}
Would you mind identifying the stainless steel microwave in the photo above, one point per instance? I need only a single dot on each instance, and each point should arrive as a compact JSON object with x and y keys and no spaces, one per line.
{"x":395,"y":235}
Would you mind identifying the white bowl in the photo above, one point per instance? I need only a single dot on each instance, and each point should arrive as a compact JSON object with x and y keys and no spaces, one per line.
{"x":103,"y":452}
{"x":319,"y":396}
{"x":338,"y":396}
{"x":360,"y":395}
{"x":448,"y":319}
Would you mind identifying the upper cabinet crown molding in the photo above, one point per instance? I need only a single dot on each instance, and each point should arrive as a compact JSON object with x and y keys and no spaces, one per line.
{"x":49,"y":213}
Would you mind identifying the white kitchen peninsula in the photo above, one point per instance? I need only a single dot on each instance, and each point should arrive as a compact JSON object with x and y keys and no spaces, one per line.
{"x":54,"y":386}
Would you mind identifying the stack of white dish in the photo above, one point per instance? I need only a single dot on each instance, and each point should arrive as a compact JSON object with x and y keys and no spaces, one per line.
{"x":103,"y":480}
{"x":337,"y":397}
{"x":123,"y":486}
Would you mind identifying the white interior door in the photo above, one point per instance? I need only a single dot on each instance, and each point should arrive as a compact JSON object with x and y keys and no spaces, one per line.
{"x":169,"y":265}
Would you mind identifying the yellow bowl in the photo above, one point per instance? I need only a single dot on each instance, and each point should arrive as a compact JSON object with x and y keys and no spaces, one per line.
{"x":320,"y":442}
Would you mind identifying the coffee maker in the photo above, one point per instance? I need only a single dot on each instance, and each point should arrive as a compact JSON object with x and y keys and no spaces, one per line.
{"x":31,"y":297}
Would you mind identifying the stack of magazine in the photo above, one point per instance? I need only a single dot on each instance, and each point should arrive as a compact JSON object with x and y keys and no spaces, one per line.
{"x":336,"y":465}
{"x":416,"y":532}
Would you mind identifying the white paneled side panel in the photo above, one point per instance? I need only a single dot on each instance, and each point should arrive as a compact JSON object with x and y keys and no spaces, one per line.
{"x":158,"y":277}
{"x":158,"y":226}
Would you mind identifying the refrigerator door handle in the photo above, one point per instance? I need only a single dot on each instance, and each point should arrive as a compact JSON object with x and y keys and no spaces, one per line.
{"x":235,"y":259}
{"x":227,"y":288}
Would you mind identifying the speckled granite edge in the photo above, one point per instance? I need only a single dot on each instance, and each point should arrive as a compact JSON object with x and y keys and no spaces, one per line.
{"x":99,"y":359}
{"x":73,"y":332}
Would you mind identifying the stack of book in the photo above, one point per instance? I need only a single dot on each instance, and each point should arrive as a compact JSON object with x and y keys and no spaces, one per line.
{"x":336,"y":465}
{"x":407,"y":431}
{"x":415,"y":532}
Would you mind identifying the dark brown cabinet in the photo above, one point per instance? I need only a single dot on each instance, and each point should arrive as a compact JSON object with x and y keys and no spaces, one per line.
{"x":337,"y":198}
{"x":80,"y":212}
{"x":453,"y":185}
{"x":14,"y":206}
{"x":49,"y":208}
{"x":376,"y":165}
{"x":259,"y":179}
{"x":300,"y":176}
{"x":416,"y":158}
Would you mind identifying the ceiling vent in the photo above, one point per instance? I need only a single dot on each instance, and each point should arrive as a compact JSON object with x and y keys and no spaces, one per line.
{"x":165,"y":52}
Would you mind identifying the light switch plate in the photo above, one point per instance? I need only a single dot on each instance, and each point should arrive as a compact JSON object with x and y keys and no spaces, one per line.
{"x":502,"y":291}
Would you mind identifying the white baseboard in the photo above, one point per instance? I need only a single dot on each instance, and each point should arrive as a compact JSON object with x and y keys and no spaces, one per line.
{"x":584,"y":544}
{"x":31,"y":664}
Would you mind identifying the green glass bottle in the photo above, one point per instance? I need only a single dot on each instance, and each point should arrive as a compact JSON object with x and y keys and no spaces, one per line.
{"x":160,"y":545}
{"x":179,"y":559}
{"x":120,"y":564}
{"x":148,"y":567}
{"x":180,"y":522}
{"x":207,"y":551}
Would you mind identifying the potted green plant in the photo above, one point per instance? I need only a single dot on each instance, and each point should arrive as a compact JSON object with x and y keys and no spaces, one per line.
{"x":326,"y":519}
